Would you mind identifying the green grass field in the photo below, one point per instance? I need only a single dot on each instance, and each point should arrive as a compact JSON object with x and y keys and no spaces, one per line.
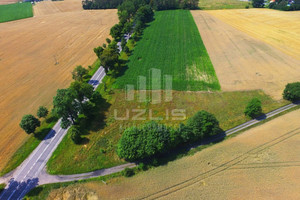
{"x":172,"y":43}
{"x":222,"y":4}
{"x":15,"y":11}
{"x":228,"y":107}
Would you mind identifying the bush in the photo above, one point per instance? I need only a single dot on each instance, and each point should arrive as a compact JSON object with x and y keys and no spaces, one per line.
{"x":247,"y":6}
{"x":292,"y":91}
{"x":253,"y":108}
{"x":142,"y":167}
{"x":2,"y":186}
{"x":201,"y":125}
{"x":42,"y":112}
{"x":128,"y":172}
{"x":144,"y":141}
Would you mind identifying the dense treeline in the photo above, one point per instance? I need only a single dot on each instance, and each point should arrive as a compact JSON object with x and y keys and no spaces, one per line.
{"x":155,"y":4}
{"x":152,"y":138}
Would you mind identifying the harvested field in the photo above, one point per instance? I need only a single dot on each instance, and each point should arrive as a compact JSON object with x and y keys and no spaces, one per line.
{"x":262,"y":163}
{"x":279,"y":29}
{"x":36,"y":58}
{"x":243,"y":62}
{"x":51,"y":7}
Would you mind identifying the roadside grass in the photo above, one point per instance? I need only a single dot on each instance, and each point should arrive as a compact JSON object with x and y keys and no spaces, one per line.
{"x":172,"y":44}
{"x":100,"y":150}
{"x":15,"y":11}
{"x":43,"y":191}
{"x":34,"y":140}
{"x":223,"y":4}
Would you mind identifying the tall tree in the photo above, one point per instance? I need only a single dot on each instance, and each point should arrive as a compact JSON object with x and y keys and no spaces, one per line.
{"x":29,"y":123}
{"x":109,"y":59}
{"x":82,"y":90}
{"x":66,"y":106}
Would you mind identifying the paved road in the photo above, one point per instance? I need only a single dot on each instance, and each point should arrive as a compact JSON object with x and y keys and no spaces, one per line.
{"x":25,"y":177}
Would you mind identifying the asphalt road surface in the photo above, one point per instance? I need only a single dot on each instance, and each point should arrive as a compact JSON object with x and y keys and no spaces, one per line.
{"x":25,"y":177}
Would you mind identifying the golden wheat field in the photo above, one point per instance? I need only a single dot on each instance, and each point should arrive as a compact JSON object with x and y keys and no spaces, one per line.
{"x":37,"y":56}
{"x":261,"y":163}
{"x":252,"y":49}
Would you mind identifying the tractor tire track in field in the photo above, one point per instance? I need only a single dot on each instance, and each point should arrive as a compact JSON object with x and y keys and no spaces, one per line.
{"x":225,"y":166}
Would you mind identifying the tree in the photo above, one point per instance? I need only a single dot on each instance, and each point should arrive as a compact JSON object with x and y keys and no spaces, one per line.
{"x":82,"y":90}
{"x":42,"y":112}
{"x":78,"y":73}
{"x":258,"y":3}
{"x":292,"y":91}
{"x":29,"y":123}
{"x":109,"y":59}
{"x":144,"y":141}
{"x":108,"y":40}
{"x":66,"y":106}
{"x":116,"y":31}
{"x":98,"y":51}
{"x":253,"y":108}
{"x":75,"y":134}
{"x":202,"y":124}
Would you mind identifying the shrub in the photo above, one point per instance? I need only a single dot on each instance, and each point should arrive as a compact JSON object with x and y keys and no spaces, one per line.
{"x":42,"y":112}
{"x":201,"y":125}
{"x":144,"y":141}
{"x":247,"y":6}
{"x":292,"y":91}
{"x":2,"y":186}
{"x":253,"y":108}
{"x":128,"y":172}
{"x":142,"y":167}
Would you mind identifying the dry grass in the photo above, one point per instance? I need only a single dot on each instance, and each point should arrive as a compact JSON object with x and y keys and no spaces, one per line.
{"x":52,"y":7}
{"x":4,"y":2}
{"x":243,"y":62}
{"x":262,"y":163}
{"x":30,"y":75}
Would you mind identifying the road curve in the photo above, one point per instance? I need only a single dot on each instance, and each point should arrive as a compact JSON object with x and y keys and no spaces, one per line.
{"x":26,"y":176}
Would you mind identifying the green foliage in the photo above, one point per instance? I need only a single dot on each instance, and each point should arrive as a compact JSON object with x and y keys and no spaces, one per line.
{"x":98,"y":51}
{"x":285,"y":5}
{"x":78,"y":73}
{"x":42,"y":112}
{"x":258,"y":3}
{"x":65,"y":106}
{"x":2,"y":186}
{"x":292,"y":91}
{"x":128,"y":172}
{"x":253,"y":108}
{"x":247,"y":6}
{"x":171,"y":43}
{"x":144,"y":141}
{"x":110,"y":59}
{"x":116,"y":31}
{"x":75,"y":134}
{"x":81,"y":90}
{"x":142,"y":167}
{"x":15,"y":11}
{"x":201,"y":125}
{"x":29,"y":123}
{"x":101,"y":4}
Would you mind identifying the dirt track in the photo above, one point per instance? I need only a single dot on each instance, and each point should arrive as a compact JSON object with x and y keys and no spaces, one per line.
{"x":262,"y":163}
{"x":243,"y":62}
{"x":36,"y":58}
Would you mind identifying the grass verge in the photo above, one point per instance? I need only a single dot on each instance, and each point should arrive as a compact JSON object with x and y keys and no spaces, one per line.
{"x":173,"y":45}
{"x":15,"y":11}
{"x":100,"y":150}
